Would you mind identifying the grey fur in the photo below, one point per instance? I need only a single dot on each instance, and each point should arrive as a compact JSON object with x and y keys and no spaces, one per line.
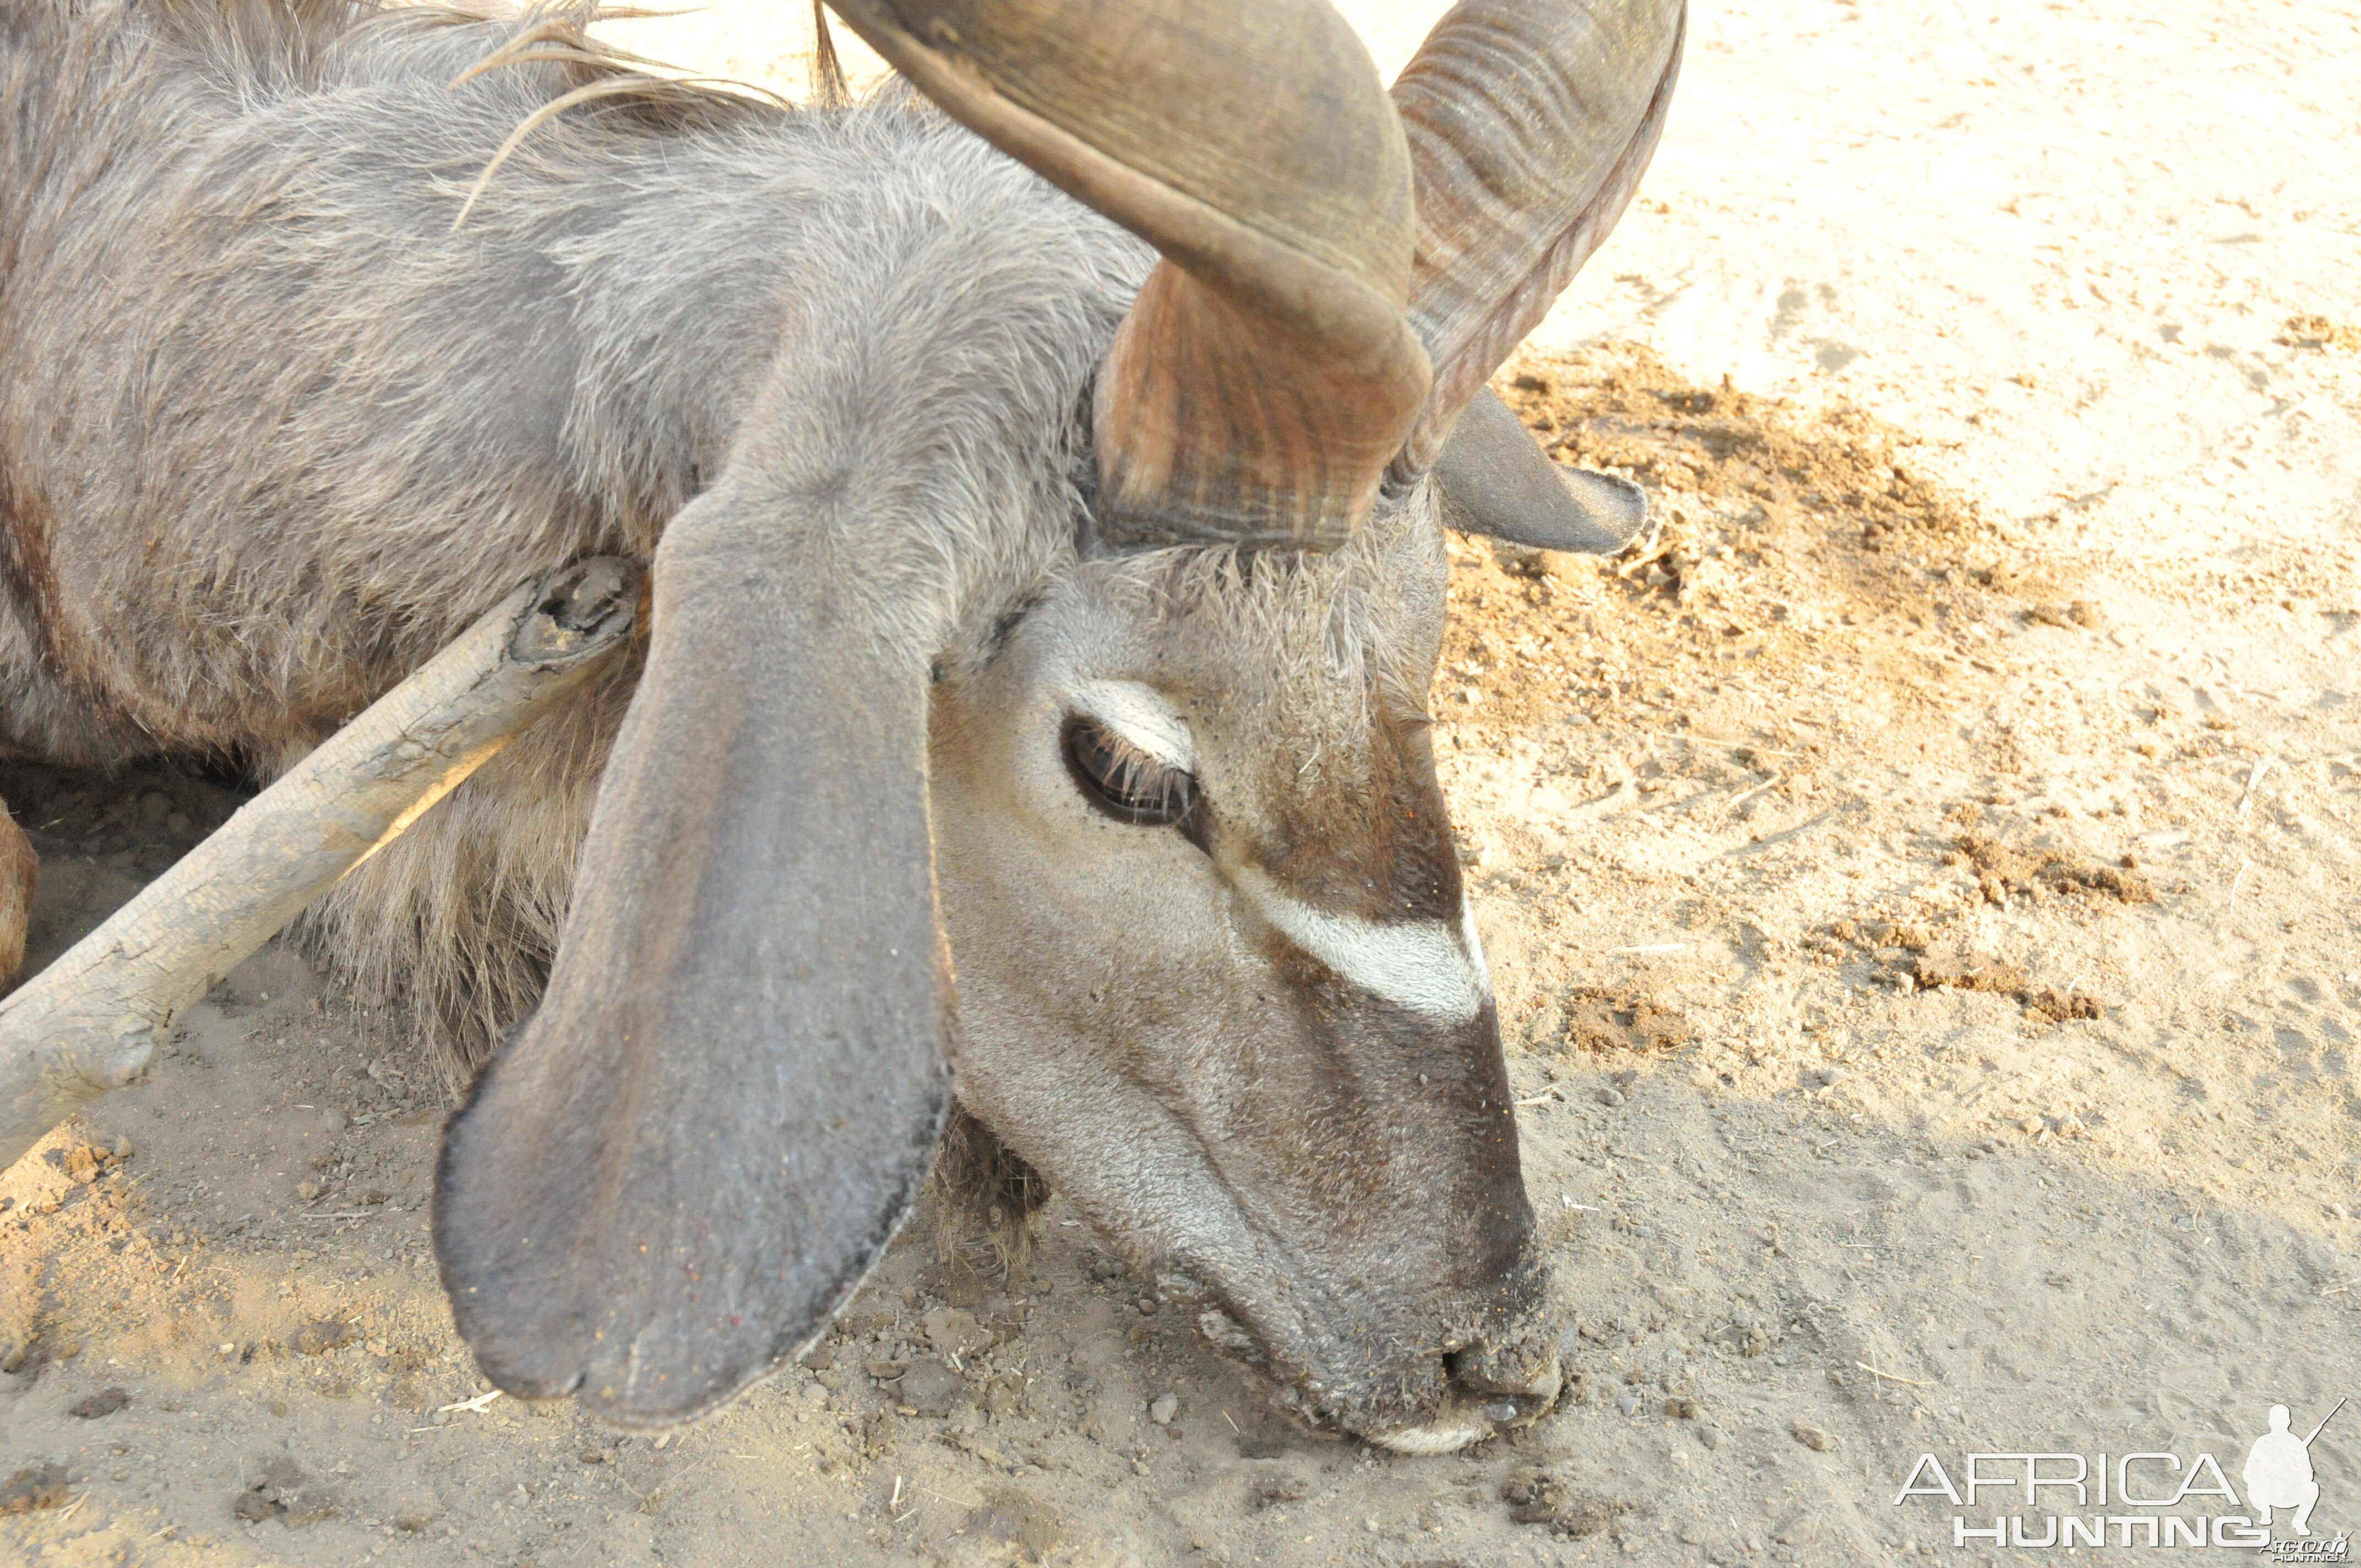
{"x":272,"y":432}
{"x":556,"y":379}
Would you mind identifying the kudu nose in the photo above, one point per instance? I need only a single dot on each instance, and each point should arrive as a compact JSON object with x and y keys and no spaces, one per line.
{"x":1509,"y":1386}
{"x":1488,"y":1390}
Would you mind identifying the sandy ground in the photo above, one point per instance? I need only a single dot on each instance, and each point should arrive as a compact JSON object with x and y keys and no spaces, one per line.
{"x":1922,"y":888}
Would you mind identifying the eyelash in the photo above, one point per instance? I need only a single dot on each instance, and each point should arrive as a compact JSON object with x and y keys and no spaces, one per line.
{"x":1124,"y":782}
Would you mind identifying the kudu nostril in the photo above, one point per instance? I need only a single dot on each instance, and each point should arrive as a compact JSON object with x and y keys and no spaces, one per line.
{"x":1516,"y":1384}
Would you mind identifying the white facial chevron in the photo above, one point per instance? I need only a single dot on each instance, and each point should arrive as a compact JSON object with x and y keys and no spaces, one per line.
{"x":1427,"y":966}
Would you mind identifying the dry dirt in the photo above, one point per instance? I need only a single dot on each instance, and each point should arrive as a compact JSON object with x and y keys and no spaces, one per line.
{"x":1921,"y":884}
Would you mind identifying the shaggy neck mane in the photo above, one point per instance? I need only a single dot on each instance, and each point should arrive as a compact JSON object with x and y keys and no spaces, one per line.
{"x":269,"y":191}
{"x":274,"y":431}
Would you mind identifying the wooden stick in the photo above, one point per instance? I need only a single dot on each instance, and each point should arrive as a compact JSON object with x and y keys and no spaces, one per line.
{"x":92,"y":1021}
{"x":1890,"y":1378}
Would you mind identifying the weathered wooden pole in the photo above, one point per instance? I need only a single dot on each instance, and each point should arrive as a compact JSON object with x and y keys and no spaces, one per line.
{"x":92,"y":1021}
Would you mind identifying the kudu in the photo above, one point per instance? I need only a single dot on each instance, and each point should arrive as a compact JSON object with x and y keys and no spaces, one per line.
{"x":1040,"y":510}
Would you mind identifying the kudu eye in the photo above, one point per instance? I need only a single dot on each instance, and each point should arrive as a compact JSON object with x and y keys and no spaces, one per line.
{"x":1124,"y":781}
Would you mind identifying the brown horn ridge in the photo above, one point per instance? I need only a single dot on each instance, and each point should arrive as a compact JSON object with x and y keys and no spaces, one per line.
{"x":1266,"y":373}
{"x":1530,"y":123}
{"x":1277,"y":361}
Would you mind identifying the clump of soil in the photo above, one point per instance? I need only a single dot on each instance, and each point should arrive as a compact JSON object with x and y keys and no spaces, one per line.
{"x":2004,"y":868}
{"x":1024,"y":1527}
{"x":1599,"y":1021}
{"x":1643,"y":419}
{"x":34,"y":1487}
{"x":1283,"y":1487}
{"x":926,"y":1388}
{"x":1910,"y":935}
{"x":88,"y":1162}
{"x":1762,"y":513}
{"x":2046,"y":1003}
{"x":2080,"y":613}
{"x":282,"y":1492}
{"x":2318,"y":332}
{"x":1994,"y":977}
{"x":1536,"y":1495}
{"x":318,"y":1338}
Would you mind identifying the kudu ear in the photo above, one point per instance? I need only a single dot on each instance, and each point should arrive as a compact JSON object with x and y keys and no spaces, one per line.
{"x":1496,"y":480}
{"x":682,"y":1165}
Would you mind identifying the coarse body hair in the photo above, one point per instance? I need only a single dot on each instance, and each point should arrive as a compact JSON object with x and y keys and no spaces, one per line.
{"x":273,"y":431}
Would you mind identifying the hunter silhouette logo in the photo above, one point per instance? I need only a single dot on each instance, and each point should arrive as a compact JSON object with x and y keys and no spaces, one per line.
{"x":2279,"y":1471}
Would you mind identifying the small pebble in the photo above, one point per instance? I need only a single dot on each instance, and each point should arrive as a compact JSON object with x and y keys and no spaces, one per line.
{"x":1815,"y":1439}
{"x":1164,"y":1408}
{"x":1609,"y":1097}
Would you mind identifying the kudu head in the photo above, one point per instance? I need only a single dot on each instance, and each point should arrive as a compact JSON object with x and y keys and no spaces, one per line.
{"x":1165,"y":807}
